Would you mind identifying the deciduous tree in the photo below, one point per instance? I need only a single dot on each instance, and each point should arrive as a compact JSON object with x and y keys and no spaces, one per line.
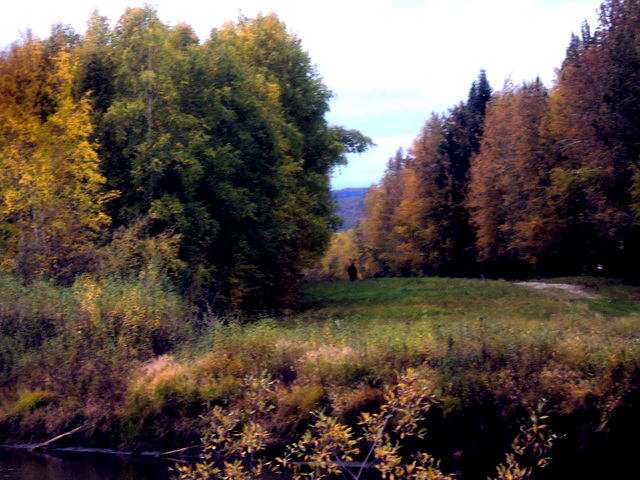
{"x":51,"y":199}
{"x":510,"y":176}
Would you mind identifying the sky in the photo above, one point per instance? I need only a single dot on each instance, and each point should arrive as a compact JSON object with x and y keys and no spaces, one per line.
{"x":389,"y":63}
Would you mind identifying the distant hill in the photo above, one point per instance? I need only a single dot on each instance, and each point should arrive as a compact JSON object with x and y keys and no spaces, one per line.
{"x":350,"y":203}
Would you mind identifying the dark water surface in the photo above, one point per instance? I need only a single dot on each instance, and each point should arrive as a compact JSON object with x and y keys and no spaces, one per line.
{"x":19,"y":464}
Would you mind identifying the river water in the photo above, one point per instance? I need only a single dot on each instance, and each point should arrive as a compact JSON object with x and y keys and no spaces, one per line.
{"x":19,"y":464}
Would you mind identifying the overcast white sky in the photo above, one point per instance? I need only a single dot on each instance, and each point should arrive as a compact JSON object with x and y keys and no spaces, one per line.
{"x":390,"y":63}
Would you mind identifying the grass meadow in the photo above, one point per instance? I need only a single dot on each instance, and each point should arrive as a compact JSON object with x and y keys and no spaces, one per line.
{"x":135,"y":367}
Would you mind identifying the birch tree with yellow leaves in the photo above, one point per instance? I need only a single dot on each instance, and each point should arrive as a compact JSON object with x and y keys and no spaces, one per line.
{"x":51,"y":199}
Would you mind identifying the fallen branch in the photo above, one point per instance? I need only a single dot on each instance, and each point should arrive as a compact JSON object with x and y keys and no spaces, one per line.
{"x":48,"y":444}
{"x":178,"y":451}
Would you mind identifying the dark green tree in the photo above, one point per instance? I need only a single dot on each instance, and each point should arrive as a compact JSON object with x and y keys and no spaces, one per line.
{"x":221,"y":148}
{"x":287,"y":151}
{"x":96,"y":67}
{"x":463,"y":131}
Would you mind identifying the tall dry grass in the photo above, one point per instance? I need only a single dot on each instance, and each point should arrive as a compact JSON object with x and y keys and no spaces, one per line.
{"x":135,"y":365}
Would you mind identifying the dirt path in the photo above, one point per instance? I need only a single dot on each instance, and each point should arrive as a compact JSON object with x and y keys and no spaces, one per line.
{"x":574,"y":289}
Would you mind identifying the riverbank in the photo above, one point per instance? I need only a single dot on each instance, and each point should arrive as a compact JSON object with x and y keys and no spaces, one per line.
{"x":137,"y":370}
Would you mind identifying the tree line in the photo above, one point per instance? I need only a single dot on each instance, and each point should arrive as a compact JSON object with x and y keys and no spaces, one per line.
{"x":139,"y":148}
{"x":527,"y":180}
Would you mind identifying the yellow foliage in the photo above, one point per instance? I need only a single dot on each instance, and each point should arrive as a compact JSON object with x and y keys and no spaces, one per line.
{"x":51,"y":198}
